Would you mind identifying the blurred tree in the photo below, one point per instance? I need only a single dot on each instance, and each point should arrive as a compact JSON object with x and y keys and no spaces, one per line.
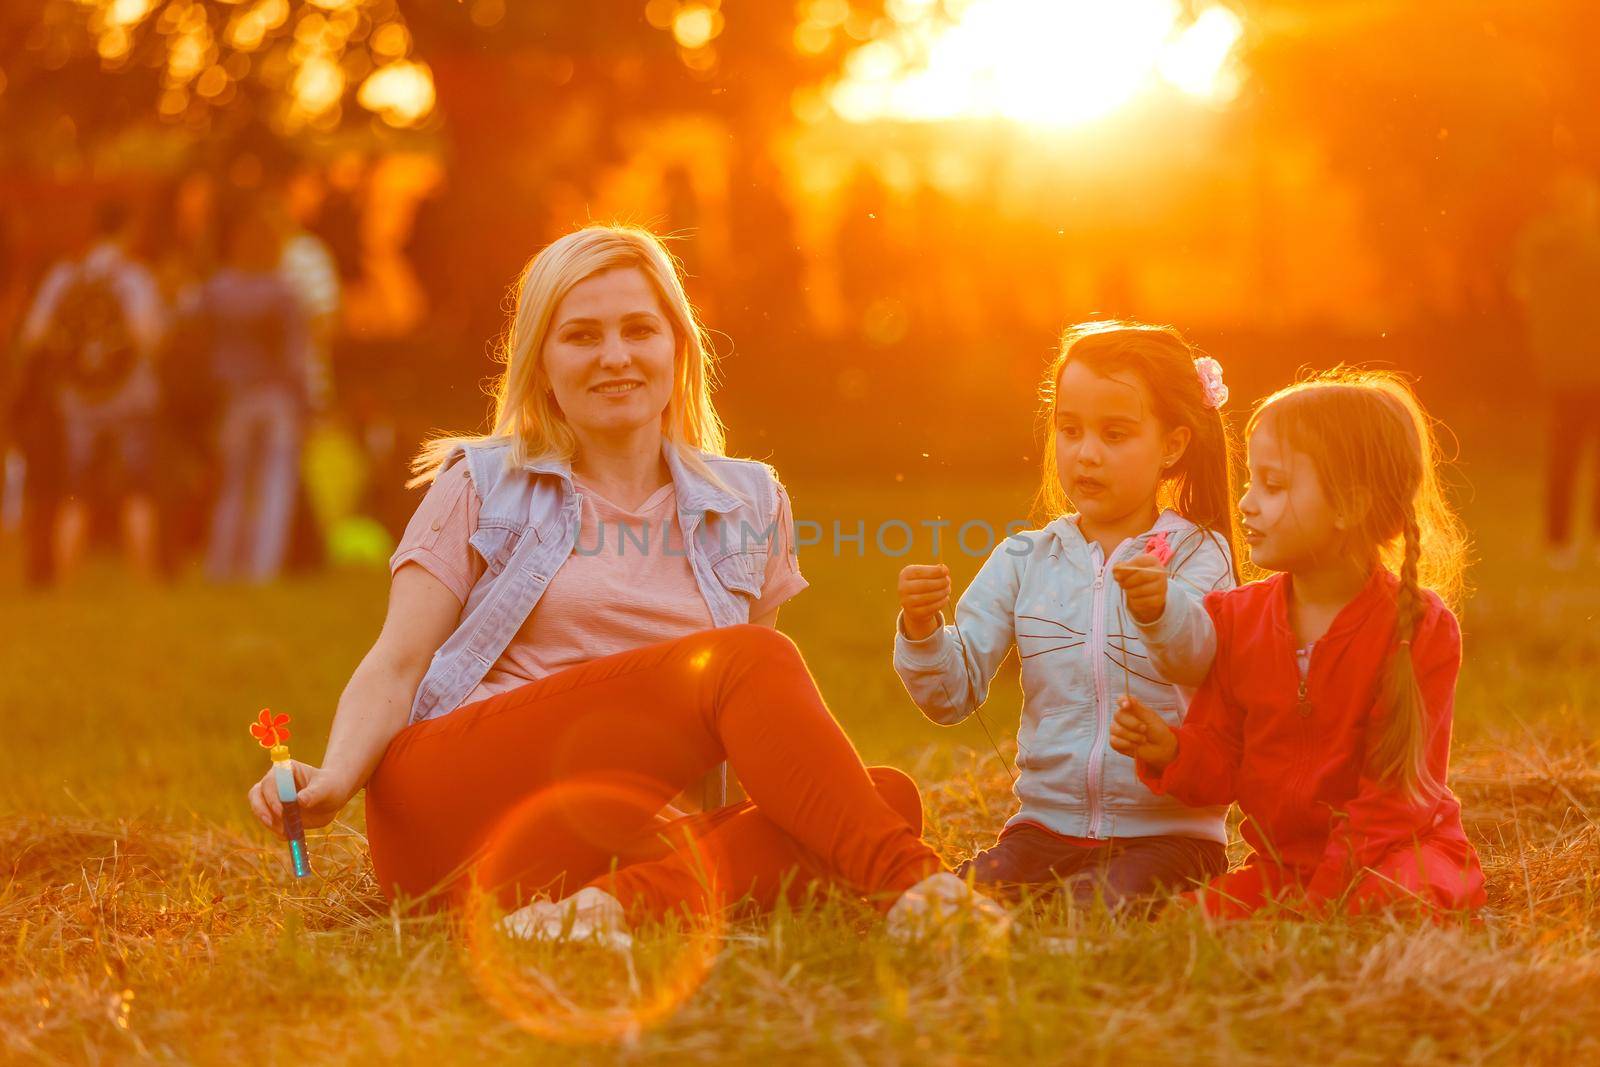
{"x":106,"y":71}
{"x":539,"y":98}
{"x":1448,"y":119}
{"x":529,"y":102}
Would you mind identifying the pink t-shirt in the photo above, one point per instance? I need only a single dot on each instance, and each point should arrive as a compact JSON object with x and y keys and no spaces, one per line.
{"x":611,"y":595}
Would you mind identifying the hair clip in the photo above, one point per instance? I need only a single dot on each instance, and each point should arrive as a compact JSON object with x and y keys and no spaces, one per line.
{"x":1211,"y":384}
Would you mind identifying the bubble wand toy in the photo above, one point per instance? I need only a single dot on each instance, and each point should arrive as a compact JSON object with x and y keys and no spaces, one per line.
{"x":271,"y":731}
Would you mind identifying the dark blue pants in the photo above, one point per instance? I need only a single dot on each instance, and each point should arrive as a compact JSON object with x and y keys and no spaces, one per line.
{"x":1120,"y":872}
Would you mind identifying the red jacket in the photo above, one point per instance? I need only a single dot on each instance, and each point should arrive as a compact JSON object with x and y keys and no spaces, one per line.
{"x":1296,"y":770}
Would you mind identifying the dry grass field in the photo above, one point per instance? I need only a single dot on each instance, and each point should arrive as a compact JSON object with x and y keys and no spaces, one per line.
{"x":144,"y":917}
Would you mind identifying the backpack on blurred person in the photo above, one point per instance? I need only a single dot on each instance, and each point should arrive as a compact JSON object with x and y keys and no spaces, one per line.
{"x":90,"y":335}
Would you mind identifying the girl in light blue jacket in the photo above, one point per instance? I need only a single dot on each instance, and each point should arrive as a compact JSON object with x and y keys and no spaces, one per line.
{"x":1138,"y":474}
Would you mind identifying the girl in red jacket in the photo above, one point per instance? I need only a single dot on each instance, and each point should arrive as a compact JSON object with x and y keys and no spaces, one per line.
{"x":1327,"y":711}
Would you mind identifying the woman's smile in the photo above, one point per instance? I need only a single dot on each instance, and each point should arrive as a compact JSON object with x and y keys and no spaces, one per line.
{"x":616,"y":387}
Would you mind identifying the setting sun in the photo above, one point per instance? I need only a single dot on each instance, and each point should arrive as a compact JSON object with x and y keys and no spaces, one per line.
{"x":1045,"y":62}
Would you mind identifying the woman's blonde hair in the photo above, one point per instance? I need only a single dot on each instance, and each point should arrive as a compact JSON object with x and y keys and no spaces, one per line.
{"x":1377,"y":456}
{"x":525,"y":412}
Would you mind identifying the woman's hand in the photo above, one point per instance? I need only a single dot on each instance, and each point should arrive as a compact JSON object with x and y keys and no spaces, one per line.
{"x":1144,"y":583}
{"x":320,"y":795}
{"x":1141,"y":734}
{"x":924,"y":593}
{"x":374,"y":706}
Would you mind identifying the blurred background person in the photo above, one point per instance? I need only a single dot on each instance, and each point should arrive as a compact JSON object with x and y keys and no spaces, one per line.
{"x":258,"y":338}
{"x":184,"y":257}
{"x":91,"y":339}
{"x":307,"y":264}
{"x":32,"y":437}
{"x":1558,"y":280}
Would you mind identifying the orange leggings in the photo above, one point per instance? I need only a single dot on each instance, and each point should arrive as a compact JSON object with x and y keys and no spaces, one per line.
{"x":559,"y":783}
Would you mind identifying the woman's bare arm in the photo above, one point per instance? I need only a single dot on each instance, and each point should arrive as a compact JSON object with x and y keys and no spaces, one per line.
{"x":375,"y":704}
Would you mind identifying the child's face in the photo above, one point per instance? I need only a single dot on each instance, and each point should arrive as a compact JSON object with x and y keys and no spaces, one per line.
{"x":1289,"y":523}
{"x":1111,"y":449}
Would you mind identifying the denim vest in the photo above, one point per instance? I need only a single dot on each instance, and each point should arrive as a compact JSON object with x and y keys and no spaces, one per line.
{"x":528,"y":526}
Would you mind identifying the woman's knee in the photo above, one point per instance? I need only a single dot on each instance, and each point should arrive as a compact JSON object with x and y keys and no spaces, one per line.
{"x":901,"y":793}
{"x":747,"y":643}
{"x":768,"y":639}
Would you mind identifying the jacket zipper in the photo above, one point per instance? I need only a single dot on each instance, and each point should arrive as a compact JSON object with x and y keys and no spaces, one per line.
{"x":1303,"y":697}
{"x":1303,"y":711}
{"x":1102,"y":724}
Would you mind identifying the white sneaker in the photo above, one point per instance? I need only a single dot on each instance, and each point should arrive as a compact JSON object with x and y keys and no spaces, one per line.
{"x":590,"y":914}
{"x":939,"y":902}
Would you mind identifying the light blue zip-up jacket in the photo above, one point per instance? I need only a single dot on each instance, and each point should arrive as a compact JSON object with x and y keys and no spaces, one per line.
{"x":528,"y":525}
{"x":1050,"y":594}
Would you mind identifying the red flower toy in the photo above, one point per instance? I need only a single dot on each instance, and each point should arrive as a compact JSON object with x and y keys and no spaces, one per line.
{"x":1157,"y":546}
{"x":270,"y":729}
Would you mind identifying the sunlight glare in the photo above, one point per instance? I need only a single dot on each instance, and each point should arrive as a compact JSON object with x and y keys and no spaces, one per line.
{"x":1196,"y":62}
{"x":1045,"y":62}
{"x":402,"y":93}
{"x":128,"y":13}
{"x":317,"y":86}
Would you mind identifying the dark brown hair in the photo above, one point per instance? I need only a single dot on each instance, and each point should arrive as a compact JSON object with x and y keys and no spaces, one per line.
{"x":1200,"y":486}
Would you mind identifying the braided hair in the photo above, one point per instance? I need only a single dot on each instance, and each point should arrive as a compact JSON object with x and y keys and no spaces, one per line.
{"x":1377,"y":456}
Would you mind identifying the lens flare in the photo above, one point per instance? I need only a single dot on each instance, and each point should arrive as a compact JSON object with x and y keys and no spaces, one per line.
{"x":522,"y":980}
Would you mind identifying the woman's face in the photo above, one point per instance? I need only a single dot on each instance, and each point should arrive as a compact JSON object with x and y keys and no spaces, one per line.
{"x":609,"y":354}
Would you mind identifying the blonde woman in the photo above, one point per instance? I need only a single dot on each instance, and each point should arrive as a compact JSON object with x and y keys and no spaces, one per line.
{"x":581,"y":624}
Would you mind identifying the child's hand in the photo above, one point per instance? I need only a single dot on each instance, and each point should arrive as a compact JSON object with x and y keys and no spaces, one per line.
{"x":1144,"y":583}
{"x":924,"y":592}
{"x":1139,"y":733}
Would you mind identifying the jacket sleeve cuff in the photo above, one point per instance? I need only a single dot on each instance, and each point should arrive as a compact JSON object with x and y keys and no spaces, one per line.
{"x":1163,"y":628}
{"x":1169,"y":780}
{"x":926,"y":652}
{"x":1158,"y":782}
